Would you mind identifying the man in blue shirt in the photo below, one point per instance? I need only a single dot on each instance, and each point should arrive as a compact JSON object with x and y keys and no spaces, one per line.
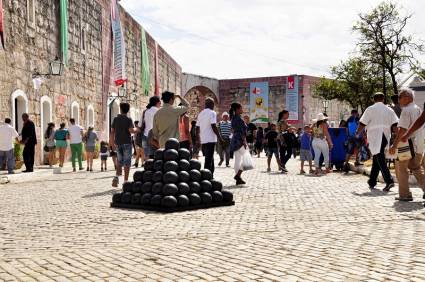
{"x":352,"y":143}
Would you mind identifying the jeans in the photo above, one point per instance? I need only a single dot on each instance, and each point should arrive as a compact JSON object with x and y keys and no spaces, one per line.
{"x":9,"y":156}
{"x":285,"y":155}
{"x":124,"y":154}
{"x":208,"y":152}
{"x":28,"y":155}
{"x":320,"y":146}
{"x":224,"y":152}
{"x":379,"y":164}
{"x":77,"y":153}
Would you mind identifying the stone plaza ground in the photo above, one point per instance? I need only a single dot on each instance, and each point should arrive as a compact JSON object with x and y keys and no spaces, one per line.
{"x":282,"y":228}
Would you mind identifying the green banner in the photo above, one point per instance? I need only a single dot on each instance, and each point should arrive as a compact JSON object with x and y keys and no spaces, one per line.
{"x":145,"y":65}
{"x":64,"y":30}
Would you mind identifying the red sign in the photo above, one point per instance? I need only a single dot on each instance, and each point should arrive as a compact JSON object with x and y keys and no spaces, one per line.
{"x":291,"y":82}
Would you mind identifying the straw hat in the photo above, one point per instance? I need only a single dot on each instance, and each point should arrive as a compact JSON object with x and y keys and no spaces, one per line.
{"x":224,"y":114}
{"x":321,"y":117}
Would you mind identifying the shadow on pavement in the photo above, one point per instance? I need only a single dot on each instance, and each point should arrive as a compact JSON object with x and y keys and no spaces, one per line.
{"x":408,"y":206}
{"x":101,"y":194}
{"x":374,"y":193}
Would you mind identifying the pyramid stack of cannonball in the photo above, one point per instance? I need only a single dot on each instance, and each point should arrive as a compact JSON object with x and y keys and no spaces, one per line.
{"x":172,"y":181}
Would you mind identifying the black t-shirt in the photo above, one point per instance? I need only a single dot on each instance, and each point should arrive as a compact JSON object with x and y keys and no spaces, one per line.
{"x":290,"y":139}
{"x":250,"y":133}
{"x":271,"y":137}
{"x":121,"y":125}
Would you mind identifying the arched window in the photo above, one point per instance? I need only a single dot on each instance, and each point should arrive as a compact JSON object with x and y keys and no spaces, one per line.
{"x":75,"y":112}
{"x":90,"y":116}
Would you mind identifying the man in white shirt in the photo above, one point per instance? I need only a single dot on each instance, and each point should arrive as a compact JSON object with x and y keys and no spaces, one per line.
{"x":7,"y":152}
{"x":378,"y":120}
{"x":75,"y":133}
{"x":208,"y":133}
{"x":147,"y":124}
{"x":409,"y":114}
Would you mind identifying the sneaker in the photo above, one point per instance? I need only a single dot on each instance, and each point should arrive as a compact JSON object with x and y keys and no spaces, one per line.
{"x":388,"y":187}
{"x":101,"y":170}
{"x":268,"y":170}
{"x":81,"y":168}
{"x":220,"y":163}
{"x":371,"y":187}
{"x":74,"y":170}
{"x":404,"y":199}
{"x":284,"y":169}
{"x":136,"y":165}
{"x":302,"y":172}
{"x":87,"y":169}
{"x":115,"y":181}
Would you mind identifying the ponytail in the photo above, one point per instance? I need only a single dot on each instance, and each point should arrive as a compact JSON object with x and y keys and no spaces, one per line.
{"x":233,"y":108}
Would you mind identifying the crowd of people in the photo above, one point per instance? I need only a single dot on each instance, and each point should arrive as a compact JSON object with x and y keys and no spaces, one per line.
{"x":383,"y":132}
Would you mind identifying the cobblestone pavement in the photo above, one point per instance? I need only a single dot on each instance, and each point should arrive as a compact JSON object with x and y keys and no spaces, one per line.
{"x":282,"y":228}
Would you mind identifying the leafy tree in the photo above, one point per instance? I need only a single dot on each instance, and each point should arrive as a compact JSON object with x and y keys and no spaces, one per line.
{"x":384,"y":43}
{"x":354,"y":81}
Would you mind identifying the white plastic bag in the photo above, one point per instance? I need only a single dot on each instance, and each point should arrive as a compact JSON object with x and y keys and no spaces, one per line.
{"x":247,"y":163}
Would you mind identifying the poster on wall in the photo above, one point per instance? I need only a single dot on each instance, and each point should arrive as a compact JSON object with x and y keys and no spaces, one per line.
{"x":259,"y":102}
{"x":118,"y":45}
{"x":292,"y":102}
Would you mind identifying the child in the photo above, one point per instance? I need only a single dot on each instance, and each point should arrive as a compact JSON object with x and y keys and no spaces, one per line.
{"x":305,"y":152}
{"x":103,"y":155}
{"x":272,"y":147}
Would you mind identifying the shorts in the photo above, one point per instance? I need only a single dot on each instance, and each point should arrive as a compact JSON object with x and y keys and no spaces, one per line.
{"x":273,"y":151}
{"x":124,"y":154}
{"x":104,"y":158}
{"x":61,"y":144}
{"x":306,"y":155}
{"x":90,"y":149}
{"x":147,"y":148}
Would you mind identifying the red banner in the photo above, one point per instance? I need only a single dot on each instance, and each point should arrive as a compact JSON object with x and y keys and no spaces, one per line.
{"x":1,"y":25}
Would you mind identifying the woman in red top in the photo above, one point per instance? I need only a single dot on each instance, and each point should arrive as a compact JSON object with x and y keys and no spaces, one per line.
{"x":184,"y":130}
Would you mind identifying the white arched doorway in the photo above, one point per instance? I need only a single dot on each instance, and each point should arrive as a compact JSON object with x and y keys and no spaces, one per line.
{"x":45,"y":118}
{"x":113,"y":111}
{"x":19,"y":102}
{"x":75,"y":112}
{"x":90,"y":116}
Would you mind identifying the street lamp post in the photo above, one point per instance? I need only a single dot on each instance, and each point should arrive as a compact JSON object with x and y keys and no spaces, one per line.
{"x":325,"y":106}
{"x":55,"y":69}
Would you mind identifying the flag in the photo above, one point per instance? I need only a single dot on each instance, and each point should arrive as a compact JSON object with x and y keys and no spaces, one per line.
{"x":118,"y":45}
{"x":145,"y":65}
{"x":64,"y":30}
{"x":1,"y":25}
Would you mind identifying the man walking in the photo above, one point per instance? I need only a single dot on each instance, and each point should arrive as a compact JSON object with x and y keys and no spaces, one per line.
{"x":120,"y":140}
{"x":166,"y":119}
{"x":7,"y":135}
{"x":225,"y":128}
{"x":206,"y":126}
{"x":378,"y":120}
{"x":29,"y":139}
{"x":75,"y":135}
{"x":409,"y":114}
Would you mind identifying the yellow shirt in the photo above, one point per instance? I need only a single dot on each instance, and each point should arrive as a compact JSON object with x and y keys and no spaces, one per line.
{"x":166,"y":123}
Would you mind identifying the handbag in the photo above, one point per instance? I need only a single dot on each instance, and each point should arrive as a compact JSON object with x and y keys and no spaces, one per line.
{"x":247,"y":163}
{"x":405,"y":151}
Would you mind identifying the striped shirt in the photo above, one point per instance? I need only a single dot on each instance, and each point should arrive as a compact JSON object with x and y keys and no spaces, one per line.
{"x":225,"y":129}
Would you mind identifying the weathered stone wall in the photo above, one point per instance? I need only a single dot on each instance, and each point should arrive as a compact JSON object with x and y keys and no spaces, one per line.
{"x":87,"y":79}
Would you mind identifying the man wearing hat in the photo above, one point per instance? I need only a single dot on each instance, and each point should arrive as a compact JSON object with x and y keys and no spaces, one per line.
{"x":225,"y":128}
{"x":378,"y":120}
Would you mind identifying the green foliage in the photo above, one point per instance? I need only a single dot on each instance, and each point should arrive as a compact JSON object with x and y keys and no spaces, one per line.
{"x":18,"y":151}
{"x":383,"y":41}
{"x":354,"y":81}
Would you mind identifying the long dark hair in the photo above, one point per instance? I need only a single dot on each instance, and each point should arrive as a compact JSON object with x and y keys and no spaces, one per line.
{"x":319,"y":123}
{"x":153,"y":101}
{"x":49,"y":129}
{"x":233,"y":108}
{"x":281,"y":114}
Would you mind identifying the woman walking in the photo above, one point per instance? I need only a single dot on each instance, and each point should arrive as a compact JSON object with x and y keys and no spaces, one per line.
{"x":238,"y":143}
{"x":259,"y":141}
{"x":322,"y":142}
{"x":61,"y":144}
{"x":49,"y":137}
{"x":90,"y":139}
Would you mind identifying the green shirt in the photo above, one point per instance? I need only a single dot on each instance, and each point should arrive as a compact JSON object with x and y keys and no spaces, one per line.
{"x":166,"y":122}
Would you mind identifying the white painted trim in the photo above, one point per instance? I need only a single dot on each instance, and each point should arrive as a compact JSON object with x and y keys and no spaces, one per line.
{"x":42,"y":129}
{"x":90,"y":108}
{"x":16,"y":94}
{"x":77,"y":119}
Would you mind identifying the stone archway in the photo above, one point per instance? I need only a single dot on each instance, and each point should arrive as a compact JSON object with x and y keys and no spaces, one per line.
{"x":196,"y":98}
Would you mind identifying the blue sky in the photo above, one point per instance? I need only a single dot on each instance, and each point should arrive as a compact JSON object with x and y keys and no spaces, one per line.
{"x":250,"y":38}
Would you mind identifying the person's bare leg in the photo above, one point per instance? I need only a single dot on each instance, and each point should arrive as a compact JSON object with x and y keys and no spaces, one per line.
{"x":126,"y":173}
{"x":302,"y":166}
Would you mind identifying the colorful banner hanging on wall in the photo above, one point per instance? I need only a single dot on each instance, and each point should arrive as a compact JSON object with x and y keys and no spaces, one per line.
{"x":292,"y":100}
{"x":64,"y":30}
{"x":156,"y":70}
{"x":1,"y":25}
{"x":118,"y":45}
{"x":145,"y":65}
{"x":259,"y":102}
